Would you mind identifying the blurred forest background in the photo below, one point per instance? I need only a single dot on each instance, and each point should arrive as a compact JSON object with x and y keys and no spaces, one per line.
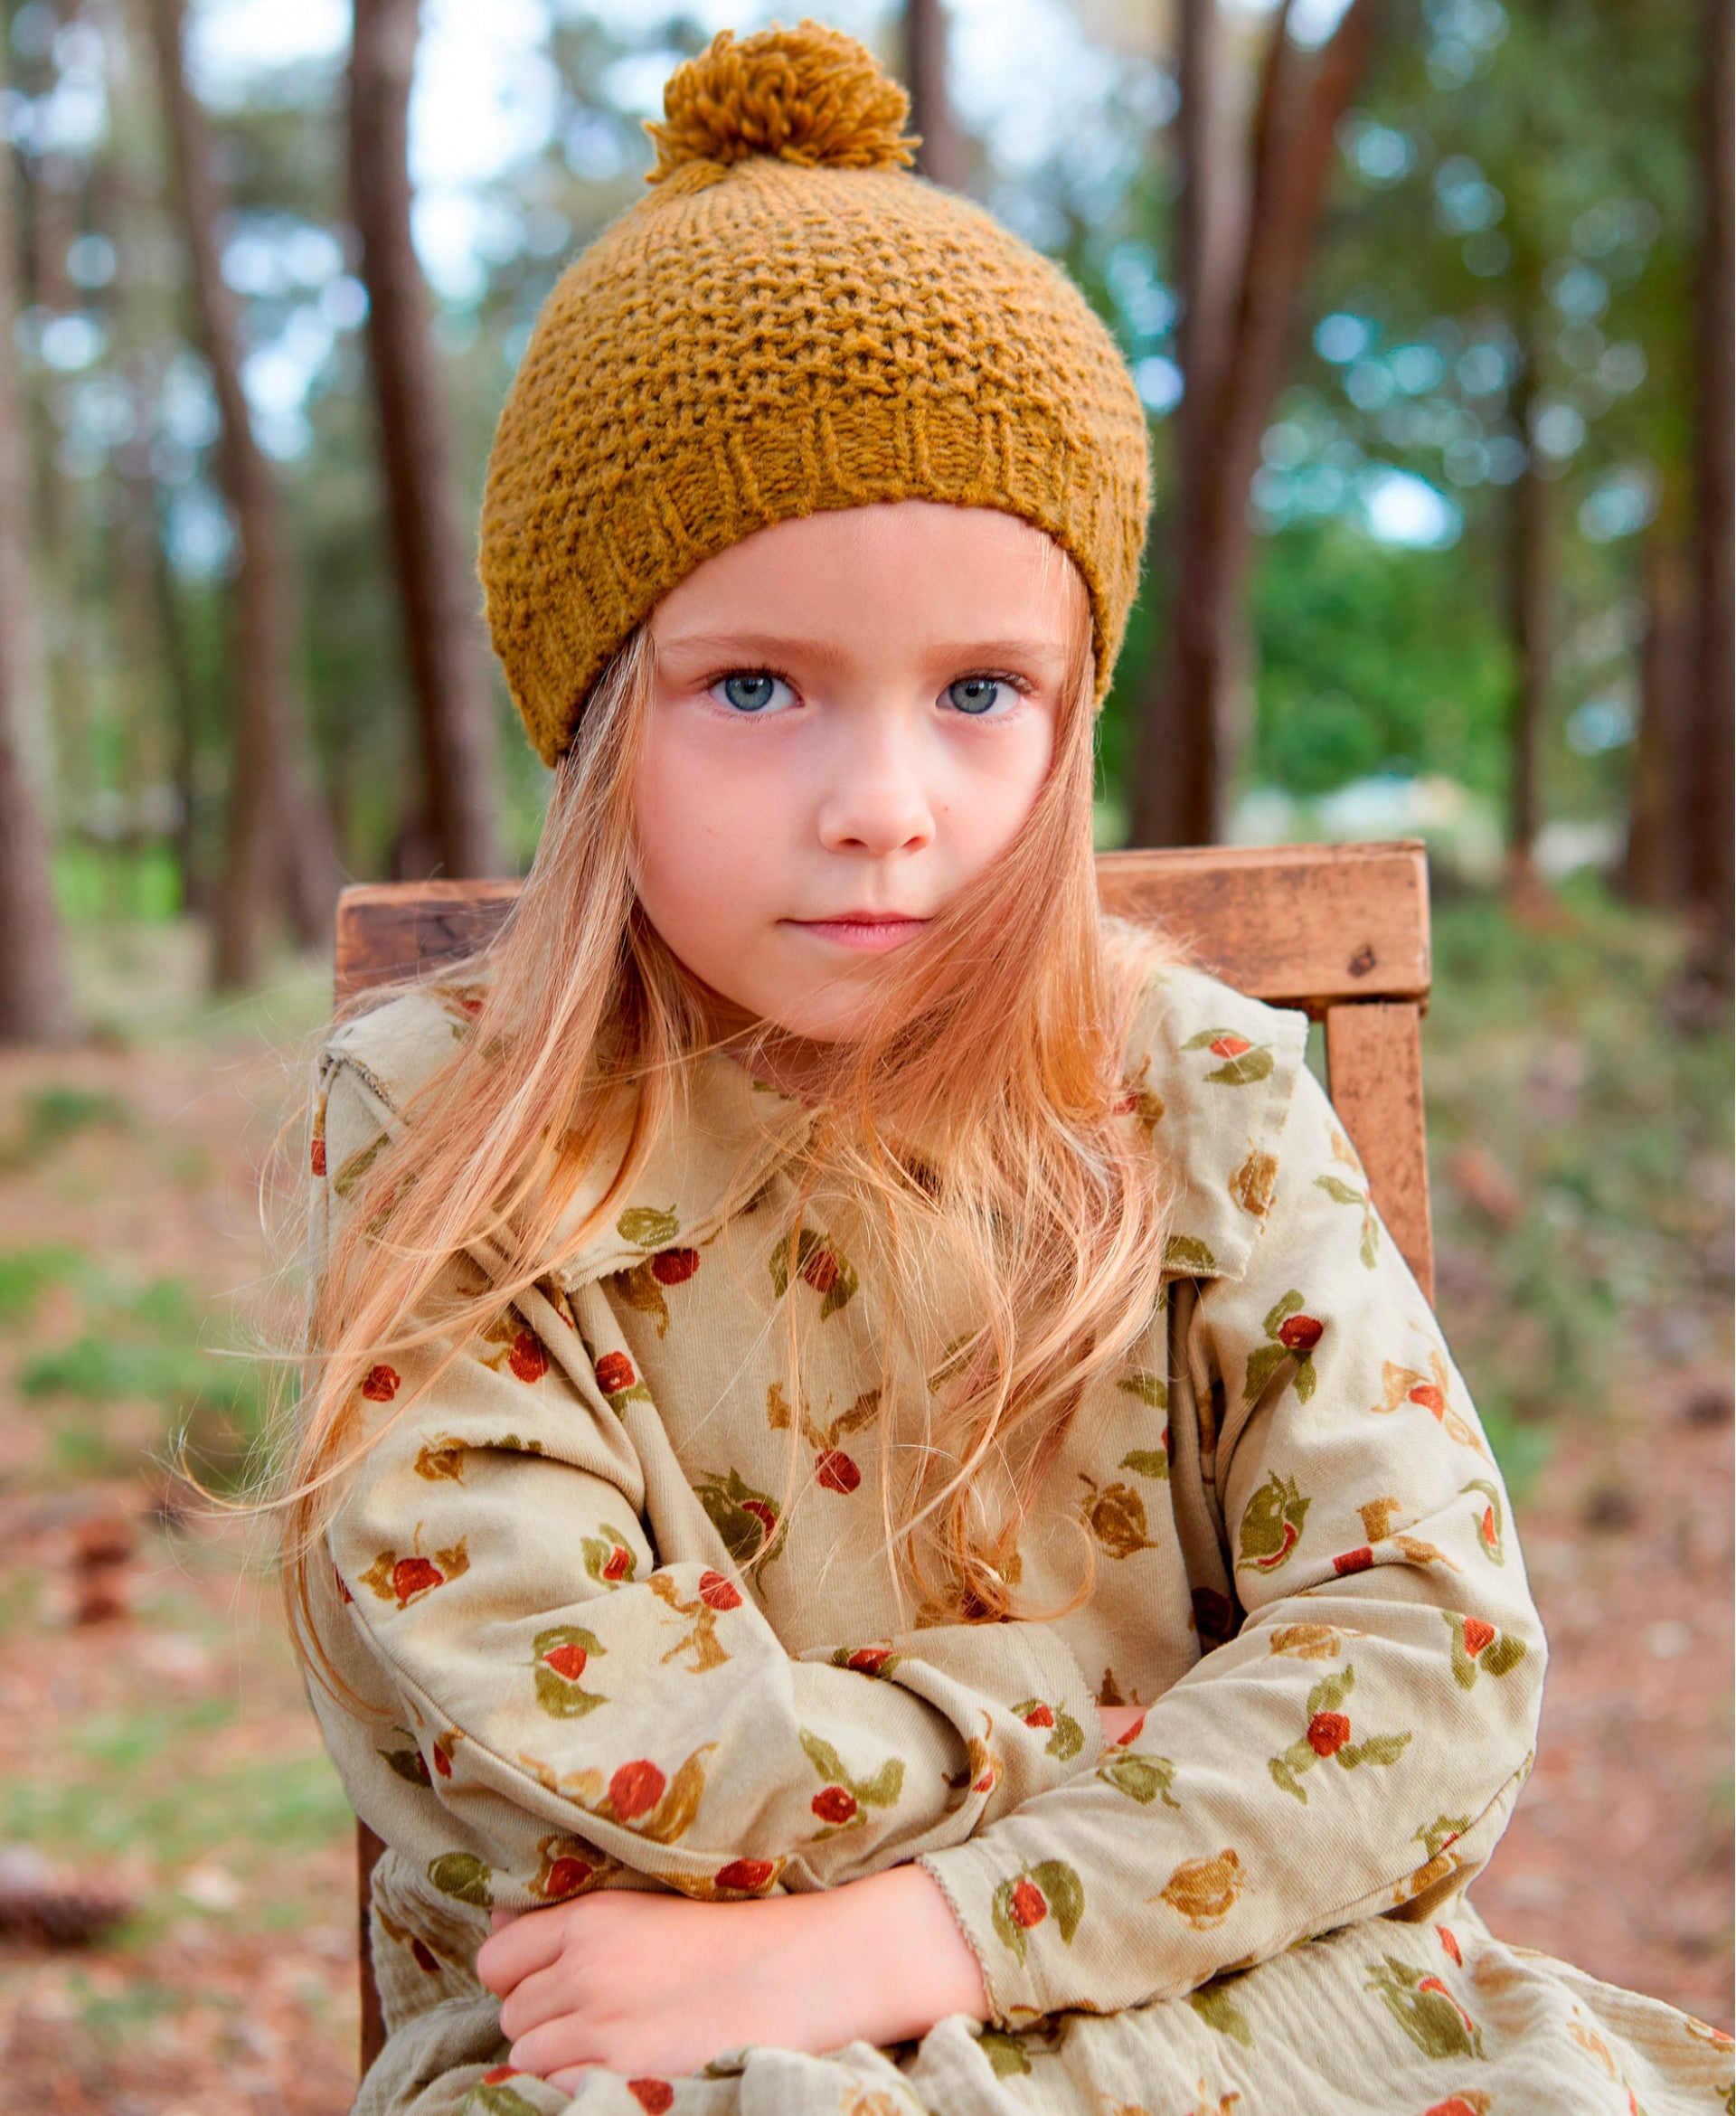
{"x":1430,"y":302}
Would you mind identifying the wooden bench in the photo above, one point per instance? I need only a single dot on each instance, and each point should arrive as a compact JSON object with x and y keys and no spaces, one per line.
{"x":1341,"y":932}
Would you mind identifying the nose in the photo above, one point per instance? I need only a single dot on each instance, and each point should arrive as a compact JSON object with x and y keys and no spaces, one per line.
{"x":877,"y":800}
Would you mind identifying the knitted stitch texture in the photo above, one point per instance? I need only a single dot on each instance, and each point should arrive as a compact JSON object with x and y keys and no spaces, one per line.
{"x":789,"y":322}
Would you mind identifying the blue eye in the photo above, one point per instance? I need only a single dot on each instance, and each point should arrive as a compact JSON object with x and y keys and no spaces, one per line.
{"x":977,"y":694}
{"x":749,"y":692}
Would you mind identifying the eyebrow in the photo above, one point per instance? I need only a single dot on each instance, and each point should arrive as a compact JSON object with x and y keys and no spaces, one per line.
{"x":747,"y":647}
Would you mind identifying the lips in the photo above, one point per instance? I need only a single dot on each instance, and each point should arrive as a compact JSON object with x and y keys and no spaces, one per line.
{"x":871,"y":931}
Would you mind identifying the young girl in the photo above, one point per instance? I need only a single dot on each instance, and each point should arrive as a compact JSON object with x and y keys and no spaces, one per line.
{"x":878,"y":1525}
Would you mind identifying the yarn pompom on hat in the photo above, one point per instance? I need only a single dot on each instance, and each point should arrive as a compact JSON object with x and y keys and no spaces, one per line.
{"x":790,"y":321}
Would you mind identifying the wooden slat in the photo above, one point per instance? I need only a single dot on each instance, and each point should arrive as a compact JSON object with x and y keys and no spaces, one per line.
{"x":1374,"y":1074}
{"x":1296,"y":925}
{"x":368,"y":1848}
{"x":388,"y":930}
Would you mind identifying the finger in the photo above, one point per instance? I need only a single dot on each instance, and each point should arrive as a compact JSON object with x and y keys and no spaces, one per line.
{"x":558,"y":2044}
{"x":530,"y":1942}
{"x":545,"y":1994}
{"x":568,"y":2080}
{"x":499,"y":1919}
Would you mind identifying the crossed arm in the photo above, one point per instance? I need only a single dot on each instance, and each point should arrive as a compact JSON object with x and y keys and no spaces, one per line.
{"x":645,"y":1983}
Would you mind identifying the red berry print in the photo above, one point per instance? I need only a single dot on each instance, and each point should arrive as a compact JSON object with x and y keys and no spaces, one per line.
{"x":985,"y":1784}
{"x":319,"y":1156}
{"x":653,"y":2095}
{"x":1352,"y":1560}
{"x":635,"y":1788}
{"x":1230,"y":1047}
{"x":822,"y":1271}
{"x":1490,"y":1537}
{"x":869,"y":1660}
{"x":836,"y":1471}
{"x":1457,"y":2106}
{"x":343,"y":1584}
{"x":1477,"y":1634}
{"x":442,"y":1762}
{"x":614,"y":1372}
{"x":1450,"y":1943}
{"x":836,"y":1804}
{"x":1029,"y":1904}
{"x":674,"y":1267}
{"x":1430,"y":1397}
{"x":527,"y":1358}
{"x":501,"y":2073}
{"x":568,"y":1660}
{"x":1040,"y":1715}
{"x":763,"y":1512}
{"x":615,"y":1566}
{"x":717,"y":1592}
{"x":1327,"y":1732}
{"x":746,"y":1875}
{"x":567,"y":1876}
{"x":412,"y":1575}
{"x":380,"y":1384}
{"x":1301,"y":1333}
{"x":425,"y":1958}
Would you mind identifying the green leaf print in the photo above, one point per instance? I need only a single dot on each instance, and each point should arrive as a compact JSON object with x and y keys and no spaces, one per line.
{"x":1272,"y":1524}
{"x":610,"y":1559}
{"x":496,"y":2098}
{"x":1150,"y":1388}
{"x":1004,"y":2052}
{"x":1142,"y":1778}
{"x":1292,"y":1334}
{"x":1490,"y":1538}
{"x":463,"y":1876}
{"x":646,"y":1227}
{"x":1477,"y":1646}
{"x":1425,"y":2010}
{"x":820,"y":1264}
{"x":1218,"y":2010}
{"x":1147,"y":1462}
{"x":1066,"y":1737}
{"x":883,"y":1790}
{"x":1187,"y":1253}
{"x":1033,"y":1895}
{"x":745,"y":1518}
{"x":1328,"y":1738}
{"x":1243,"y":1062}
{"x":1445,"y":1830}
{"x":1343,"y":1193}
{"x":562,"y":1653}
{"x":357,"y":1166}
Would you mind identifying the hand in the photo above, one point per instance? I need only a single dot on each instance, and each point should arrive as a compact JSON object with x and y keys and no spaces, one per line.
{"x":655,"y":1984}
{"x":1122,"y":1722}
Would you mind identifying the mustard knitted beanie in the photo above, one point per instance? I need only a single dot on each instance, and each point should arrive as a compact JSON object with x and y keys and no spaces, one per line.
{"x":789,"y":321}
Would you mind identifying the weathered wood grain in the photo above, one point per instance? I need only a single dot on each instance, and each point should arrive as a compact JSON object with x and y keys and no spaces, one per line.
{"x":388,"y":930}
{"x":1374,"y":1072}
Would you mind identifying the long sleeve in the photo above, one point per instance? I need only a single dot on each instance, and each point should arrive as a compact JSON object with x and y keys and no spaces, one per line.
{"x":573,"y":1707}
{"x":1355,"y":1748}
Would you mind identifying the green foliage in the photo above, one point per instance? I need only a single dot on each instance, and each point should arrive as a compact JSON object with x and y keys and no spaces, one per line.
{"x":53,"y":1115}
{"x":25,"y":1274}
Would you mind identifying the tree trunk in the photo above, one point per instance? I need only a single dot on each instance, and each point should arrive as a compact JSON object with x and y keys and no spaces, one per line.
{"x":1241,"y":271}
{"x":435,"y":584}
{"x":277,"y":828}
{"x":1709,"y":749}
{"x":1528,"y":620}
{"x":35,"y":994}
{"x":941,"y":156}
{"x":1654,"y":866}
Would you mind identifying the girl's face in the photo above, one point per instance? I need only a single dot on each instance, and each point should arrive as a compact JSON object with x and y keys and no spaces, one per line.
{"x":853,"y":714}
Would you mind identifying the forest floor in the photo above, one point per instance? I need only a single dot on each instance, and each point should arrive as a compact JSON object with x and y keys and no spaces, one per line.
{"x":153,"y":1738}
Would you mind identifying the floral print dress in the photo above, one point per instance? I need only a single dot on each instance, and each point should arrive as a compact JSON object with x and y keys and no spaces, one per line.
{"x":586,"y":1646}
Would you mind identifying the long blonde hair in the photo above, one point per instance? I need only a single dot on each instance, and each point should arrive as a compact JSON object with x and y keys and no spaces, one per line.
{"x":1048,"y":1206}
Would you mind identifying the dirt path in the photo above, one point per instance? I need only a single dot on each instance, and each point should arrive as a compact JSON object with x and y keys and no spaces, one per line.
{"x":166,"y":1749}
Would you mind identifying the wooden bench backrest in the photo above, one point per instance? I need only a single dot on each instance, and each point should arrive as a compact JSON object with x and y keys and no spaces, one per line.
{"x":1341,"y":932}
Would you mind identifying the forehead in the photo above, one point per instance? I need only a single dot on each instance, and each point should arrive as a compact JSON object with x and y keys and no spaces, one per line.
{"x":907,"y":572}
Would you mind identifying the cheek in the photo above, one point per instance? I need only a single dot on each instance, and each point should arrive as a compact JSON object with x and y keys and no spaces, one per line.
{"x":987,"y":799}
{"x":705,"y":852}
